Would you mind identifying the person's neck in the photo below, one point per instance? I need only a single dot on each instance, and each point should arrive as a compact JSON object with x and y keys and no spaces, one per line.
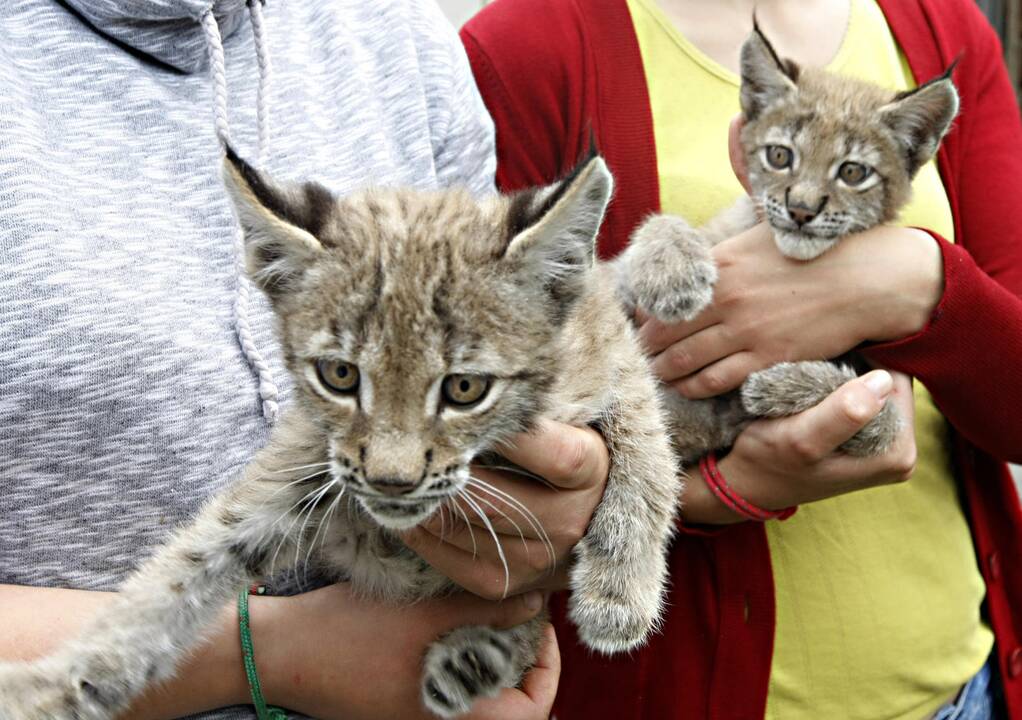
{"x":807,"y":31}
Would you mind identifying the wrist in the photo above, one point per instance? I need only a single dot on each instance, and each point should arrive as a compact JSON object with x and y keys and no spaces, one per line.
{"x":908,"y":288}
{"x":700,"y":506}
{"x":274,"y":653}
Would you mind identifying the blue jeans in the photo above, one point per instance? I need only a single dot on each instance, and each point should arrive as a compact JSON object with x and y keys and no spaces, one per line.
{"x":980,"y":699}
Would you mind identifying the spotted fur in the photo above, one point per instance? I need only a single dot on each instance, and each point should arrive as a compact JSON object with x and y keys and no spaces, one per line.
{"x":807,"y":135}
{"x":408,"y":289}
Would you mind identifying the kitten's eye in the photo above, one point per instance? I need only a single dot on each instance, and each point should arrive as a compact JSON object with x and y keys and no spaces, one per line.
{"x":779,"y":157}
{"x":853,"y":173}
{"x":340,"y":377}
{"x":465,"y":390}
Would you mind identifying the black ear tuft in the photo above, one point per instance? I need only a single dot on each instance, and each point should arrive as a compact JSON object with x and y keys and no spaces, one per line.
{"x":766,"y":78}
{"x":552,"y":231}
{"x":920,"y":118}
{"x":278,"y":223}
{"x":306,"y":206}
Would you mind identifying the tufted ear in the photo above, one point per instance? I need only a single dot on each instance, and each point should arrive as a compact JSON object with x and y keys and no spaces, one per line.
{"x":766,"y":78}
{"x":280,"y":223}
{"x":921,"y":118}
{"x":552,"y":230}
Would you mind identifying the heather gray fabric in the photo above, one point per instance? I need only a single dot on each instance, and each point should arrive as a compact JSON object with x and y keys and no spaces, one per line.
{"x":124,"y":396}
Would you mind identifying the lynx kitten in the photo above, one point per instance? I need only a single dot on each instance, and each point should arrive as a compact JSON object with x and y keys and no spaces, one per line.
{"x":421,"y":331}
{"x":827,"y":157}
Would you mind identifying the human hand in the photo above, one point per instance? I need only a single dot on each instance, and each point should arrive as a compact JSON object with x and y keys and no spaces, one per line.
{"x":877,"y":286}
{"x":789,"y":461}
{"x":330,"y":654}
{"x":573,"y":462}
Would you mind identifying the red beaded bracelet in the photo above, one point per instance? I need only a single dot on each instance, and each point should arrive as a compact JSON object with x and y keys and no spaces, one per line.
{"x":727,"y":494}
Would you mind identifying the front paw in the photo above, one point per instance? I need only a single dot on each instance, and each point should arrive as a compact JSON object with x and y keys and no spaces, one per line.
{"x":467,"y":664}
{"x":614,"y":606}
{"x":878,"y":434}
{"x":38,"y":691}
{"x":667,"y":270}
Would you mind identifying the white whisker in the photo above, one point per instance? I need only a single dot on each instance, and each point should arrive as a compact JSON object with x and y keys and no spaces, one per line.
{"x":521,"y":535}
{"x":308,"y":516}
{"x":459,"y":509}
{"x":518,"y":505}
{"x":299,"y":467}
{"x":326,"y":516}
{"x":515,"y":470}
{"x":496,"y":540}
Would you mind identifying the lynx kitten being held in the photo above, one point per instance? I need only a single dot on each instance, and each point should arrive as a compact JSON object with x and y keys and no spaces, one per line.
{"x":421,"y":330}
{"x":828,"y":157}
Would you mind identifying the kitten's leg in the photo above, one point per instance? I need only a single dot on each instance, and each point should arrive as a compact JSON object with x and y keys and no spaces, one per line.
{"x":618,"y":579}
{"x":791,"y":387}
{"x":666,"y":270}
{"x":476,"y":662}
{"x":163,"y":609}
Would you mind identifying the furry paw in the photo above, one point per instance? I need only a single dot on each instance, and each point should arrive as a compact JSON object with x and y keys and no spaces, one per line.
{"x":615,"y":606}
{"x":788,"y":388}
{"x":667,"y":271}
{"x":877,"y":436}
{"x":36,"y":692}
{"x":55,"y":689}
{"x":467,"y":664}
{"x":791,"y":387}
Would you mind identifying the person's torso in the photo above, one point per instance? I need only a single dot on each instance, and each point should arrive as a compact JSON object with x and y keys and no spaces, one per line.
{"x":125,"y":399}
{"x":877,"y":592}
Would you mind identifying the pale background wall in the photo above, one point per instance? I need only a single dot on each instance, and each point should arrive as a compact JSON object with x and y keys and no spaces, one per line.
{"x":460,"y":10}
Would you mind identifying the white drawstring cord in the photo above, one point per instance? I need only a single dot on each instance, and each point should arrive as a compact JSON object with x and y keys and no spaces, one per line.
{"x":267,"y":388}
{"x":255,"y":8}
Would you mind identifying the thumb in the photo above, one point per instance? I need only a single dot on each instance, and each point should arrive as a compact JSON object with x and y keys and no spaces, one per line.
{"x":737,"y":153}
{"x":467,"y":609}
{"x":843,"y":413}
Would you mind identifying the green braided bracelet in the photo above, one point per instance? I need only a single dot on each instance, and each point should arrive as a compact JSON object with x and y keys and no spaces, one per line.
{"x":263,"y":711}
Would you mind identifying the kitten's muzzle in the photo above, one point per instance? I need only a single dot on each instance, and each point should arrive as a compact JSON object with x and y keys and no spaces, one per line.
{"x":800,"y":212}
{"x":391,"y":486}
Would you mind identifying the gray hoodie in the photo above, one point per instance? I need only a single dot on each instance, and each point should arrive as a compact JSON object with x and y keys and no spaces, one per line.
{"x":136,"y":374}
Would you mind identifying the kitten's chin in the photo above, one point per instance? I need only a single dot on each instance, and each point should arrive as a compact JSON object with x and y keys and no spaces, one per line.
{"x":798,"y":246}
{"x":398,"y":515}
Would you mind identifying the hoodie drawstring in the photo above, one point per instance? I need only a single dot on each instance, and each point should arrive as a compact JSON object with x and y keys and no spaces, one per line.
{"x":267,"y":388}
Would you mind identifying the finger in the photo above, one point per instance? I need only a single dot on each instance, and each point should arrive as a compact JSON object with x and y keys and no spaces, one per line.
{"x":522,"y":554}
{"x":694,"y":353}
{"x":719,"y":377}
{"x":467,"y":609}
{"x":541,"y":682}
{"x":566,"y":456}
{"x":656,"y":336}
{"x":736,"y":152}
{"x":818,"y":431}
{"x":480,"y":569}
{"x":506,"y":502}
{"x":535,"y":699}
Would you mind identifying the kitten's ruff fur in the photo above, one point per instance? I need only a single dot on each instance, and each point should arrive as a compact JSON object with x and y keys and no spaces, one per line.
{"x":410,"y":287}
{"x":823,"y":121}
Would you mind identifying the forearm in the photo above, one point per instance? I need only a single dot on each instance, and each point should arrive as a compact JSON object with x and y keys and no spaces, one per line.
{"x":37,"y":621}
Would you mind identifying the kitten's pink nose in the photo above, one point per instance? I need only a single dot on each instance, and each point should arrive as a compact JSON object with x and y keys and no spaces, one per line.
{"x":391,"y":486}
{"x":801,"y":213}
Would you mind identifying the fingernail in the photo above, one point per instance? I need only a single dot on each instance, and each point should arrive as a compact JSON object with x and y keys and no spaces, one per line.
{"x":533,"y":600}
{"x":880,"y":383}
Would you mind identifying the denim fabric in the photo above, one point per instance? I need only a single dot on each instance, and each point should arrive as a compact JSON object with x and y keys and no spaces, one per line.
{"x":980,"y":699}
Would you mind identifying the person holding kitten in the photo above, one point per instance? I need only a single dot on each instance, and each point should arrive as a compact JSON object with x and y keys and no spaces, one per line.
{"x":895,"y":591}
{"x":139,"y":372}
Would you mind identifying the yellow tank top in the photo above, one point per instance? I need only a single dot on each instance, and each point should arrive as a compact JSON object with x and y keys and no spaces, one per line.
{"x":878,"y":593}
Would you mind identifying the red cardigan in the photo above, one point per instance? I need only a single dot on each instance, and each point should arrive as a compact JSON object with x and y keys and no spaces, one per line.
{"x":551,"y":70}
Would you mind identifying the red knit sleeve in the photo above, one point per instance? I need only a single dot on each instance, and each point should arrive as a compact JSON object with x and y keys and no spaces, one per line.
{"x":969,"y":356}
{"x":528,"y":59}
